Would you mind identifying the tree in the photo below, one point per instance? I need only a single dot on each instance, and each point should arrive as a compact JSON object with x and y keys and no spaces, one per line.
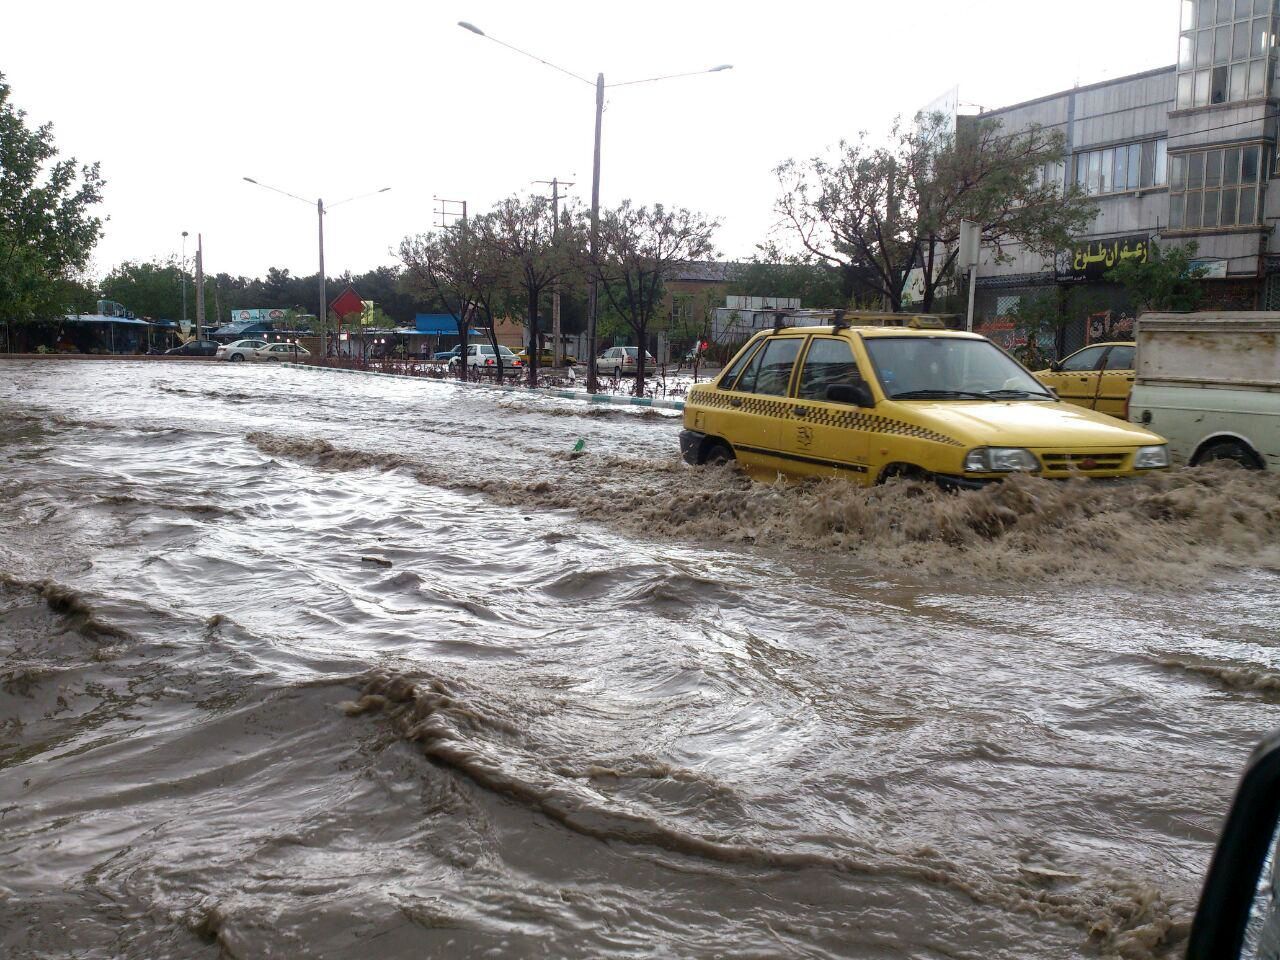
{"x":47,"y":230}
{"x":772,"y":272}
{"x":148,"y":289}
{"x":457,"y":269}
{"x":888,"y":210}
{"x":536,"y":251}
{"x":1166,"y":281}
{"x":637,"y":249}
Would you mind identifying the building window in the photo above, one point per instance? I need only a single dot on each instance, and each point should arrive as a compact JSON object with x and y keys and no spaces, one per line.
{"x":1216,"y":188}
{"x":1225,"y":51}
{"x":1132,"y":166}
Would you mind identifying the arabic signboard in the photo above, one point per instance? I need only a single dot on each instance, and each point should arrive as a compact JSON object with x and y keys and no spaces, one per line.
{"x":1091,"y":259}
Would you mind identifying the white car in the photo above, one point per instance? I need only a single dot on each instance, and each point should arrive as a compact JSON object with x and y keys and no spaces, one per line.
{"x":622,"y":360}
{"x":275,"y":352}
{"x":481,"y":355}
{"x":240,"y":349}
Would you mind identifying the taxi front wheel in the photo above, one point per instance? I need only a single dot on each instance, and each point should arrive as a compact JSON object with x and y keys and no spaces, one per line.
{"x":718,"y":455}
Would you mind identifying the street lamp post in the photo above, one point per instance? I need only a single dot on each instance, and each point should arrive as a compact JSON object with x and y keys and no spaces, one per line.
{"x":592,"y":294}
{"x":182,"y":273}
{"x":322,"y":316}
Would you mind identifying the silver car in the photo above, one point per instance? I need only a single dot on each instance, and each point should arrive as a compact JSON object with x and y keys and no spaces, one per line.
{"x":240,"y":350}
{"x":621,"y":360}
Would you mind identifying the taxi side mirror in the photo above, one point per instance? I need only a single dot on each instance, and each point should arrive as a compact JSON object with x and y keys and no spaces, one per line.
{"x":859,"y":394}
{"x":1236,"y":897}
{"x":1055,"y":366}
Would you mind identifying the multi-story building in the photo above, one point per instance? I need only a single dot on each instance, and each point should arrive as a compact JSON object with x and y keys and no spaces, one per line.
{"x":1182,"y":153}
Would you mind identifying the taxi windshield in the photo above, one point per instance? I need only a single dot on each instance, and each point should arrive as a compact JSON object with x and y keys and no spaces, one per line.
{"x":949,"y":368}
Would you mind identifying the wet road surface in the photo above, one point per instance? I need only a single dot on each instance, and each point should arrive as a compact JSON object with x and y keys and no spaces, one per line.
{"x":296,"y":664}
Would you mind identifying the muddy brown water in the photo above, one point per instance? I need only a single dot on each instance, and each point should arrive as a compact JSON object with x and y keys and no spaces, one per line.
{"x":294,"y":664}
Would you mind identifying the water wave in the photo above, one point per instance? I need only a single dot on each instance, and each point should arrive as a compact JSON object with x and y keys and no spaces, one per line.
{"x":1164,"y":530}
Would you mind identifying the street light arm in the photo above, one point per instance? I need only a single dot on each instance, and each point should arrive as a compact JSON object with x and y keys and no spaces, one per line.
{"x":672,"y":76}
{"x":359,"y":196}
{"x":267,"y":186}
{"x":524,"y":53}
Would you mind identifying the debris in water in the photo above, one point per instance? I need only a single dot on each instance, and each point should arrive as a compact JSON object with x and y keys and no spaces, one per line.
{"x":380,"y":561}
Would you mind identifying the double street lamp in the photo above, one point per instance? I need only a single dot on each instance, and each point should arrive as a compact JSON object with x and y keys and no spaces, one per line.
{"x":595,"y":170}
{"x":323,"y":315}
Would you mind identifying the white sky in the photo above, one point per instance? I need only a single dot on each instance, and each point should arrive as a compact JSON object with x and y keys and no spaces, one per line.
{"x":179,"y":101}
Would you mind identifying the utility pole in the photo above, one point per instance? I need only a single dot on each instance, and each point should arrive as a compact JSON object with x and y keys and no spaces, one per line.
{"x":323,"y":315}
{"x":593,"y":295}
{"x":557,"y":351}
{"x":182,"y":273}
{"x":199,"y":286}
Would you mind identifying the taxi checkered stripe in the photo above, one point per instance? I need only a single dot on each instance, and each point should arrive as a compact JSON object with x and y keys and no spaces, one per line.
{"x":821,"y":415}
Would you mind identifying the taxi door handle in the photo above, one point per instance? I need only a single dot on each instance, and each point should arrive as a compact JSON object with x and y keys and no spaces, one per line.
{"x":735,"y":402}
{"x":800,"y":411}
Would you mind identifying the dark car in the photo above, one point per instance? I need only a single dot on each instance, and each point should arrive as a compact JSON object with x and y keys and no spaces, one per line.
{"x":448,"y":354}
{"x":194,"y":348}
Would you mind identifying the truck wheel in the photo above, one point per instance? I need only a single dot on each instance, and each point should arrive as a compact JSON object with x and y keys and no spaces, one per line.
{"x":1228,"y":449}
{"x":718,"y":455}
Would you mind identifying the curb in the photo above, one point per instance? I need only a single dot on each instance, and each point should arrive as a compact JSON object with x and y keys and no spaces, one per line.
{"x":605,"y":398}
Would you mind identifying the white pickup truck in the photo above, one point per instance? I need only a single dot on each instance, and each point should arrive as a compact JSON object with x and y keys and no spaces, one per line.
{"x":1210,"y":384}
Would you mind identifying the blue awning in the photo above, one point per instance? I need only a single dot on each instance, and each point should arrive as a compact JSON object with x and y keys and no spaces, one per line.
{"x":437,"y":323}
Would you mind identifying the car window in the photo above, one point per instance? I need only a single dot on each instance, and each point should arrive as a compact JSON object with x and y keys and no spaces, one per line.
{"x":1086,"y":359}
{"x":1120,"y":358}
{"x":770,"y":370}
{"x":731,"y":374}
{"x":828,"y":362}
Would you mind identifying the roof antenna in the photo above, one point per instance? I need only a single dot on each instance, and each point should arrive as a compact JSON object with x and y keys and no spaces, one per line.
{"x":838,"y":322}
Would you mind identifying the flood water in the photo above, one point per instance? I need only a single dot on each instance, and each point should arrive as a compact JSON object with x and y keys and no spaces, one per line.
{"x":297,"y":664}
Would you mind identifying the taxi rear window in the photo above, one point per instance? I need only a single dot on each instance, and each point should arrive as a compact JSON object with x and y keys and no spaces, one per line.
{"x":770,"y":369}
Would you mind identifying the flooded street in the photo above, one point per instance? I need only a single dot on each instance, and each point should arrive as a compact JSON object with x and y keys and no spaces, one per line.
{"x":295,"y":663}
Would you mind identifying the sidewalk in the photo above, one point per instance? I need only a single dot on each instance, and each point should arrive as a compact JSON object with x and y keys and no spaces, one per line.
{"x":615,"y":399}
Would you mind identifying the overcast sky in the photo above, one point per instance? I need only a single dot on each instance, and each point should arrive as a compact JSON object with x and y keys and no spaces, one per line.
{"x":180,"y":101}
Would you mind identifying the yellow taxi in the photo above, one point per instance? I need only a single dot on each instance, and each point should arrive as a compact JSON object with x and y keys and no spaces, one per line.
{"x":545,"y":358}
{"x":892,"y":395}
{"x":1099,"y":377}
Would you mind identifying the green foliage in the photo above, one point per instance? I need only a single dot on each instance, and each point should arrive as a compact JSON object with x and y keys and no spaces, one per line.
{"x":47,"y":230}
{"x":815,"y":282}
{"x":1167,"y":281}
{"x":151,"y":290}
{"x":1040,"y":319}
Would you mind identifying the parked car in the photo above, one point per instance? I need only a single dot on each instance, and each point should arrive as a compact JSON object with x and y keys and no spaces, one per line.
{"x":194,"y":348}
{"x":545,"y":358}
{"x":448,"y":354}
{"x":481,"y":355}
{"x":240,"y":350}
{"x":868,"y":403}
{"x":1099,"y":377}
{"x":275,"y":352}
{"x":622,"y":360}
{"x":1210,"y":382}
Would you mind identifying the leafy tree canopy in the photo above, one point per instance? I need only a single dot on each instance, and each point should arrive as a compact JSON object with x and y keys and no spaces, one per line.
{"x":47,"y":227}
{"x":1167,"y":281}
{"x":885,"y":210}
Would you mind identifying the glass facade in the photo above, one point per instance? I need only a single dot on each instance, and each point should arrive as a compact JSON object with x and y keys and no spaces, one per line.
{"x":1130,"y":166}
{"x":1226,"y":51}
{"x":1216,"y":188}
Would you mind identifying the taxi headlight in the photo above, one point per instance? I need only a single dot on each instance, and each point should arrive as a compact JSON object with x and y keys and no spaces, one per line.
{"x":1000,"y":460}
{"x":1151,"y":458}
